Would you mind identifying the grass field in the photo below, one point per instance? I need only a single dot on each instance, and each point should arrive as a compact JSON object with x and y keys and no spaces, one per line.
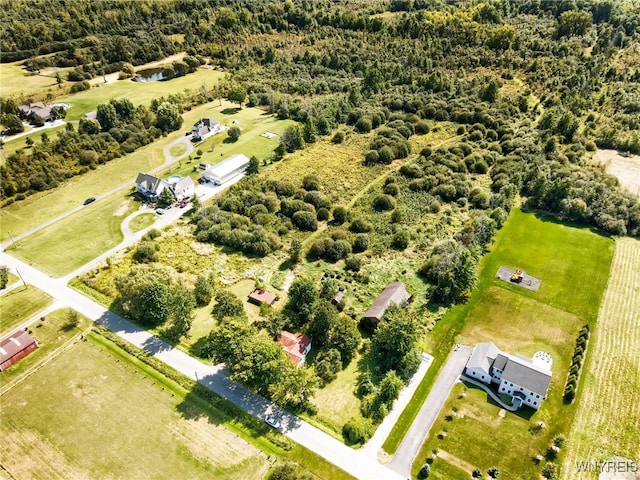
{"x":607,"y":422}
{"x":56,"y":331}
{"x":18,"y":81}
{"x":142,"y":221}
{"x":11,"y":146}
{"x":76,"y":239}
{"x":520,"y":321}
{"x":106,"y":420}
{"x":139,"y":93}
{"x":19,"y":304}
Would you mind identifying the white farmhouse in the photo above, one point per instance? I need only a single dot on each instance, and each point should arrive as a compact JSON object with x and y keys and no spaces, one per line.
{"x":227,"y":169}
{"x":184,"y":188}
{"x":149,"y":186}
{"x":525,"y":380}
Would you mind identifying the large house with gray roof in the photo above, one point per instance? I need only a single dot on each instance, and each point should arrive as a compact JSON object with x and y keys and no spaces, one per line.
{"x":525,"y":380}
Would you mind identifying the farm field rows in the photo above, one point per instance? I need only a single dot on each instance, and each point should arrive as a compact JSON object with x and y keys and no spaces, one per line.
{"x":607,"y":422}
{"x":108,"y":420}
{"x":520,"y":322}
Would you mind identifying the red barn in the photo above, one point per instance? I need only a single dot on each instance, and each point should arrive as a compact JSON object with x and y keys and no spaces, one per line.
{"x":17,"y":346}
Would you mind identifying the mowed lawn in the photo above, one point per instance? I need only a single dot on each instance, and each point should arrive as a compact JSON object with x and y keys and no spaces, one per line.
{"x":107,"y":420}
{"x":73,"y":241}
{"x":573,"y":264}
{"x":19,"y":305}
{"x":607,"y":422}
{"x":140,"y":93}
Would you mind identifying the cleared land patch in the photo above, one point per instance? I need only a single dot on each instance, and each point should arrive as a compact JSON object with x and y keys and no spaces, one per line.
{"x":76,"y":239}
{"x":607,"y":422}
{"x":19,"y":304}
{"x":626,"y":169}
{"x":141,"y":222}
{"x":130,"y":427}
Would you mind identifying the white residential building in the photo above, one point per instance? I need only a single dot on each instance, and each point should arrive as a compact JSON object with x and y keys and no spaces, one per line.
{"x":184,"y":188}
{"x":525,"y":380}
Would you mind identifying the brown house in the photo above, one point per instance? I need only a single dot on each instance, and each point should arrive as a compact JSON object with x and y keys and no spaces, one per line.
{"x":395,"y":293}
{"x":258,"y":297}
{"x":16,"y":347}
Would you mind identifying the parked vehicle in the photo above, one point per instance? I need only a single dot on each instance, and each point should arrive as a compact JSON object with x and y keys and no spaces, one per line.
{"x":89,"y":200}
{"x":160,"y":211}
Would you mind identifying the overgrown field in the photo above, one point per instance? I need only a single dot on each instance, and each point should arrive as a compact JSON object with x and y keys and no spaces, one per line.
{"x":519,"y":321}
{"x":607,"y":421}
{"x":108,"y":419}
{"x":78,"y":238}
{"x":19,"y":304}
{"x":18,"y":81}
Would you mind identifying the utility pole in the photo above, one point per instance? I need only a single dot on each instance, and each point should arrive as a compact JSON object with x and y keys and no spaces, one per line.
{"x":23,"y":282}
{"x":13,"y":241}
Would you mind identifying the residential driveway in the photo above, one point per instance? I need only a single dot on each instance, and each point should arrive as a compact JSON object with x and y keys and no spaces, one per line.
{"x":427,"y":415}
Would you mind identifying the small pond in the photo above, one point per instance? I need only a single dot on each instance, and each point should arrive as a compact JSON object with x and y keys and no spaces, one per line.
{"x":150,"y":75}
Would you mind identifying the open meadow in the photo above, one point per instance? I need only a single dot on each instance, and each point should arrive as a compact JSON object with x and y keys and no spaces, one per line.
{"x":78,"y":238}
{"x":607,"y":421}
{"x":17,"y":81}
{"x":519,"y":321}
{"x":108,"y":419}
{"x":19,"y":304}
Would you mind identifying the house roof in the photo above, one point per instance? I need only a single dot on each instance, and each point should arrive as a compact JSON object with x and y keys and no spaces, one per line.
{"x":526,"y":374}
{"x":259,"y":296}
{"x":483,"y":356}
{"x":228,"y":166}
{"x":17,"y":342}
{"x":148,"y":182}
{"x":394,"y":293}
{"x":36,"y":108}
{"x":337,"y":298}
{"x":184,"y":183}
{"x":294,"y":345}
{"x":500,"y":361}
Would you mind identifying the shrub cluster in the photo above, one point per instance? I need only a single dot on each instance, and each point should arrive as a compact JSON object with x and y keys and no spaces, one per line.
{"x":579,"y":353}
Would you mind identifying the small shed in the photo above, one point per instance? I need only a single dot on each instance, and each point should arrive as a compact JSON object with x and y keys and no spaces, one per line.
{"x":337,"y":298}
{"x":259,"y":296}
{"x":16,"y":347}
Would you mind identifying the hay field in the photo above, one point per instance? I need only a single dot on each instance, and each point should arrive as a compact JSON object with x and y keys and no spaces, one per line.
{"x":608,"y":419}
{"x":108,"y":420}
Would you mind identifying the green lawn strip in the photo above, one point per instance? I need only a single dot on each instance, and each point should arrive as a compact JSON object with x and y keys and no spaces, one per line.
{"x":10,"y":281}
{"x":76,"y":239}
{"x":217,"y":408}
{"x":142,"y":221}
{"x":50,"y":334}
{"x":89,"y":292}
{"x":19,"y":305}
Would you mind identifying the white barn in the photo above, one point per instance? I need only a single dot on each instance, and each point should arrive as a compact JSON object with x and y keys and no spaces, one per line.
{"x":227,"y":169}
{"x":525,"y":380}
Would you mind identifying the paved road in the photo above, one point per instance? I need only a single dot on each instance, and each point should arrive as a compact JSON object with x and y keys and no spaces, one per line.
{"x":213,"y":377}
{"x":427,"y":415}
{"x":169,"y":160}
{"x":373,"y":447}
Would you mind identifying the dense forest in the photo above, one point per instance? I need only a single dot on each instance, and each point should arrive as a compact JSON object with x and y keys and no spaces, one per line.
{"x":540,"y":84}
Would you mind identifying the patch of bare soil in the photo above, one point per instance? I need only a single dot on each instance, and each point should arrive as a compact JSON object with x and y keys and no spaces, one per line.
{"x":625,"y":169}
